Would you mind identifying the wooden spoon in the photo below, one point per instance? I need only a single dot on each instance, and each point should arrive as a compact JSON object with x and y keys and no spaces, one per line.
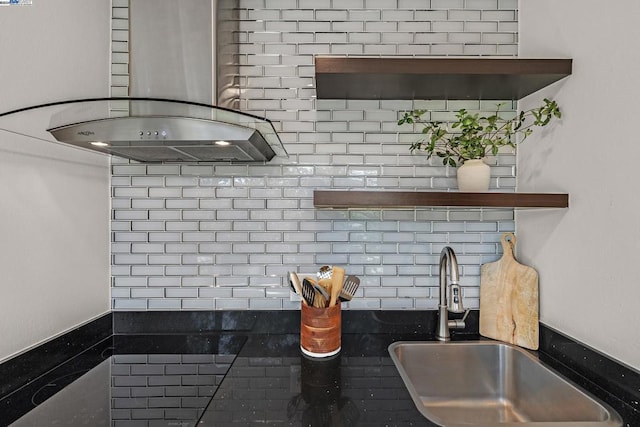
{"x":325,"y":284}
{"x":337,"y":280}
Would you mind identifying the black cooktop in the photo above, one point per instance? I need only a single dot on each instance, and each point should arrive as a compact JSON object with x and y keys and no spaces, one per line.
{"x":127,"y":381}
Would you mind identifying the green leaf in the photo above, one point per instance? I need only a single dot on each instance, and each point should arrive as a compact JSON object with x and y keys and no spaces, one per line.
{"x":472,"y":135}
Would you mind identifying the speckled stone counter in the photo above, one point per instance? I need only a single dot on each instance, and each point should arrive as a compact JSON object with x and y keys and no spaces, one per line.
{"x":271,"y":382}
{"x":246,"y":368}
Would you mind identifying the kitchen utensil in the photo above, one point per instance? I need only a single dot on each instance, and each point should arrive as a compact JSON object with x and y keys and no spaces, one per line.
{"x":325,"y":272}
{"x":325,"y":284}
{"x":308,"y":292}
{"x":337,"y":281}
{"x":509,"y":299}
{"x":321,"y":296}
{"x":349,"y":288}
{"x":318,"y":288}
{"x":294,"y":282}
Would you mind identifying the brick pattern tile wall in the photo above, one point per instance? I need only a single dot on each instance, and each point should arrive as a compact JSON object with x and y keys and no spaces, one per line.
{"x":222,"y":236}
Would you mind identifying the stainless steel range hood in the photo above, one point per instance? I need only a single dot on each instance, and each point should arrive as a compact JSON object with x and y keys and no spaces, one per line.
{"x":170,"y":139}
{"x":183,"y":88}
{"x":165,"y":131}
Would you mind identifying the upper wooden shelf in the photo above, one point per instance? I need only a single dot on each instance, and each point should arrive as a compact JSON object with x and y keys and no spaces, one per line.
{"x":347,"y":77}
{"x":412,"y":199}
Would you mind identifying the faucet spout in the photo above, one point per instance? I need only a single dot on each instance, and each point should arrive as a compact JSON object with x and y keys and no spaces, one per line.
{"x":454,"y":303}
{"x":447,"y":259}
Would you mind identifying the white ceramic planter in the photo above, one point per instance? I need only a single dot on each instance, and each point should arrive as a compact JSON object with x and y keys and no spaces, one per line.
{"x":474,"y":176}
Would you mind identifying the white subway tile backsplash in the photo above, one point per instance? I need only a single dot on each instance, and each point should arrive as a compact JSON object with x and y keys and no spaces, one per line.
{"x":331,"y":15}
{"x":381,"y":49}
{"x":177,"y":247}
{"x":497,"y":215}
{"x":129,"y":237}
{"x":384,"y":293}
{"x":381,"y":4}
{"x":508,"y":26}
{"x":466,"y":37}
{"x":147,"y":181}
{"x":471,"y":215}
{"x":480,"y":49}
{"x":147,"y":270}
{"x":508,"y":50}
{"x":197,"y":304}
{"x":165,"y":259}
{"x":499,"y":15}
{"x":164,"y":282}
{"x":222,"y":236}
{"x":164,"y":237}
{"x":248,"y":271}
{"x":397,"y":15}
{"x":447,"y":49}
{"x":129,"y":304}
{"x":129,"y":259}
{"x":129,"y":192}
{"x":508,"y":4}
{"x":147,"y":293}
{"x":382,"y":27}
{"x":447,"y":26}
{"x":164,"y":304}
{"x":469,"y":14}
{"x":204,"y":284}
{"x":129,"y":169}
{"x":231,"y":304}
{"x":482,"y":4}
{"x":162,"y":170}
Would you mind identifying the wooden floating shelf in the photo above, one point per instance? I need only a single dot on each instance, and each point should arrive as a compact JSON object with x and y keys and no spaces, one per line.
{"x":348,"y":77}
{"x":412,"y":199}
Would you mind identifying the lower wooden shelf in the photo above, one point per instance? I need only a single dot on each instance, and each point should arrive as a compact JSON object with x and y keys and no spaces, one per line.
{"x":407,"y":199}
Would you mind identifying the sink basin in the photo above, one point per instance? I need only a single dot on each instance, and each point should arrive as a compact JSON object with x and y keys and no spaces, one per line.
{"x":488,"y":383}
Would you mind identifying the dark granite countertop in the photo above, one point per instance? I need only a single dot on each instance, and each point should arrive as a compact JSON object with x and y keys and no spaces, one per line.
{"x":271,"y":382}
{"x":246,"y":368}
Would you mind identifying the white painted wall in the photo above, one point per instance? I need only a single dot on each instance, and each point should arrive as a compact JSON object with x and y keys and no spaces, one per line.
{"x":587,"y":255}
{"x":54,"y":201}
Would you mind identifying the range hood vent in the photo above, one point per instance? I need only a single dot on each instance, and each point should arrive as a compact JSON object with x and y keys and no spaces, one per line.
{"x":172,"y":139}
{"x":150,"y":130}
{"x":183,"y":65}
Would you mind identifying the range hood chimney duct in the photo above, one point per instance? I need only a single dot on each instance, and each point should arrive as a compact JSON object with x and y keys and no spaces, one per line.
{"x":186,"y":50}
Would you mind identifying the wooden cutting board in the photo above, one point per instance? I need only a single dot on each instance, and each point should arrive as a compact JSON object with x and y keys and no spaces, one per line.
{"x":509,"y":299}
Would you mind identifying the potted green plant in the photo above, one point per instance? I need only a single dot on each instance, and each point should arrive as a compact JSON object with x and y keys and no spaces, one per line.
{"x":471,"y":137}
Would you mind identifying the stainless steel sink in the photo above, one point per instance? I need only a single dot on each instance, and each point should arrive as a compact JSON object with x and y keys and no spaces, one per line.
{"x":488,"y":383}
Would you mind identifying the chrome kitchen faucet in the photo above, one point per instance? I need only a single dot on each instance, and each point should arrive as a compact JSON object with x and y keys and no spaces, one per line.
{"x":454,"y":303}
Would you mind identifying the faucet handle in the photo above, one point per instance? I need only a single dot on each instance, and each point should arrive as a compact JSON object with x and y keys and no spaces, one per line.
{"x":459,"y":323}
{"x":455,"y":300}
